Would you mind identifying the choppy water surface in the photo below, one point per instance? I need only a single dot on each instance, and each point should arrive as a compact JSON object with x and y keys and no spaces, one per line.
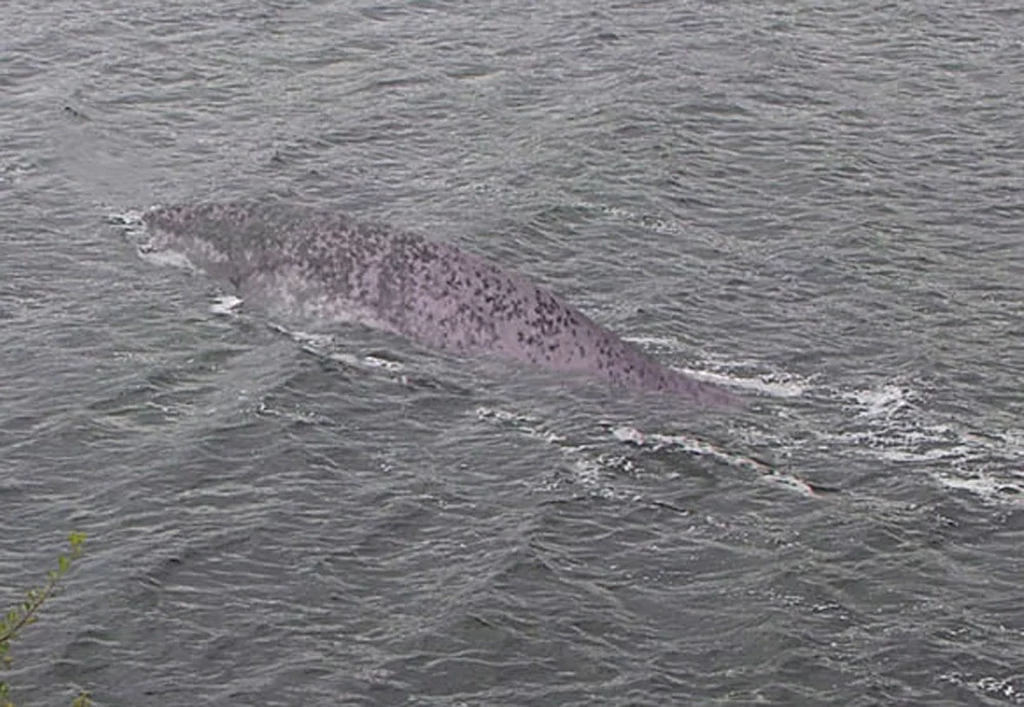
{"x":818,"y":205}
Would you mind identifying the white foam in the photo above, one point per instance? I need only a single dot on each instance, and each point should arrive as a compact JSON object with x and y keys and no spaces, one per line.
{"x":129,"y":219}
{"x":226,"y":305}
{"x":998,"y":688}
{"x":377,"y":362}
{"x":699,"y":447}
{"x":884,"y":400}
{"x":166,"y":258}
{"x":985,"y":486}
{"x":773,"y":385}
{"x":325,"y":345}
{"x":662,"y":342}
{"x":525,"y":424}
{"x":658,"y":224}
{"x":590,"y":467}
{"x":724,"y":372}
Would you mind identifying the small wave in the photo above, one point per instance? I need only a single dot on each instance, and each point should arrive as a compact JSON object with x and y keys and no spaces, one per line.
{"x":326,"y":346}
{"x":591,"y":467}
{"x":129,"y":219}
{"x":898,"y":427}
{"x":987,"y":487}
{"x":885,"y":400}
{"x":590,"y":470}
{"x":889,"y":421}
{"x":226,"y":305}
{"x":774,"y":385}
{"x":1010,"y":689}
{"x":743,"y":374}
{"x":167,"y":258}
{"x":651,"y":222}
{"x":695,"y":446}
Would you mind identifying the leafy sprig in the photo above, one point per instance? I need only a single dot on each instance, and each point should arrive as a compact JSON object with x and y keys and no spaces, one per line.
{"x":26,"y":614}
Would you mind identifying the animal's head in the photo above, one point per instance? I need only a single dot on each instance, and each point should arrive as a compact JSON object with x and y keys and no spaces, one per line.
{"x":212,"y":237}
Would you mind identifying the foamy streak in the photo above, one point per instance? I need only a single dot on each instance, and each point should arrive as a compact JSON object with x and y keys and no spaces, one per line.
{"x":328,"y":268}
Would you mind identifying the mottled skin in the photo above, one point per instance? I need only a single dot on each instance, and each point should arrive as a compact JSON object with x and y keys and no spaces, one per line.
{"x":327,"y":268}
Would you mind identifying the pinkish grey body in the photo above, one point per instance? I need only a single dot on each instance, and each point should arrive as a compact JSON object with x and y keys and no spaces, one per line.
{"x":327,"y":268}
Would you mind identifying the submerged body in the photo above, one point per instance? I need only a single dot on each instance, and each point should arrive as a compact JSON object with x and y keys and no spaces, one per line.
{"x":328,"y":268}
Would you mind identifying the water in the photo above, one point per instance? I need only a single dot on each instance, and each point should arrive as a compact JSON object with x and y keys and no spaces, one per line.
{"x":818,"y":204}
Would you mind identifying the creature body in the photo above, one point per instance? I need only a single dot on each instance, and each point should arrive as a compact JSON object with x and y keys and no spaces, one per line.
{"x":328,"y":268}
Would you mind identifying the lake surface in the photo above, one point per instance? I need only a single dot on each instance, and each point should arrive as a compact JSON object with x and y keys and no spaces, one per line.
{"x":819,"y":205}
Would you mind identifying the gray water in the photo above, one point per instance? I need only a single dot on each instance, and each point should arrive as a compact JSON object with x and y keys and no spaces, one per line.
{"x":819,"y":205}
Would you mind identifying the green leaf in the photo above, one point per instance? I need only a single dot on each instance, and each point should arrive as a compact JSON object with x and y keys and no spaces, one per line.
{"x":24,"y":615}
{"x":77,"y":541}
